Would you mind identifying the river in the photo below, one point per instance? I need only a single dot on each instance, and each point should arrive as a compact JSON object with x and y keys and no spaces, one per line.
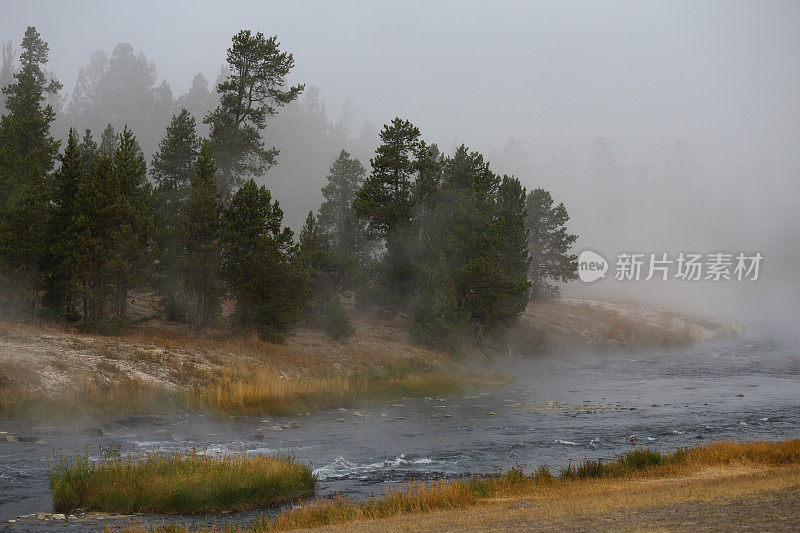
{"x":559,"y":409}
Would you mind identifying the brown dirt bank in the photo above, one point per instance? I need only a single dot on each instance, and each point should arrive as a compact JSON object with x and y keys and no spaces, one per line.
{"x":592,"y":324}
{"x":309,"y":370}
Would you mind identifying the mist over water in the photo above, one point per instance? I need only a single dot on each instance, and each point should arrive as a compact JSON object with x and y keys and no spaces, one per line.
{"x":559,"y":409}
{"x":664,"y":127}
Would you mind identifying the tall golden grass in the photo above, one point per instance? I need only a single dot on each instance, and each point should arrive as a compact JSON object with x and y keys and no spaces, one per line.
{"x":242,"y":388}
{"x":416,"y":497}
{"x":181,"y":482}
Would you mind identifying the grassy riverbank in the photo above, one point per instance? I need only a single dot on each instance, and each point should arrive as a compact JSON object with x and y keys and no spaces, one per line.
{"x":176,"y":483}
{"x":50,"y":370}
{"x":57,"y":373}
{"x":638,"y":479}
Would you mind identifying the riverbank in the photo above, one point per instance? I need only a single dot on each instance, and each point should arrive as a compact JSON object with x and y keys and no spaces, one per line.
{"x":50,"y":369}
{"x":620,"y":494}
{"x":720,"y":499}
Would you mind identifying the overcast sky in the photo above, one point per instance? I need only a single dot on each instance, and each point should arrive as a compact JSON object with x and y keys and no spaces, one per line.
{"x":724,"y":76}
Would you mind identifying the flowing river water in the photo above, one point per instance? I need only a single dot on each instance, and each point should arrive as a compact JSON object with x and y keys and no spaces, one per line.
{"x":559,"y":409}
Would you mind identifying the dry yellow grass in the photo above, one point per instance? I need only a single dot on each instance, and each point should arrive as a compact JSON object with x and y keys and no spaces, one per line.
{"x":57,"y":371}
{"x":635,"y":480}
{"x":584,"y":504}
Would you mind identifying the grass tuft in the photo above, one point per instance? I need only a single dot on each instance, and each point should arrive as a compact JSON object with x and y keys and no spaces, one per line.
{"x":180,"y":482}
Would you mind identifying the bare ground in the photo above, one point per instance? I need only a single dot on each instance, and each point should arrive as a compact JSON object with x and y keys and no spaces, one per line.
{"x":591,"y":324}
{"x":49,"y":358}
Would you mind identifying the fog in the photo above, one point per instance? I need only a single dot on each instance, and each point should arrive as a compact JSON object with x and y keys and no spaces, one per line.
{"x":663,"y":126}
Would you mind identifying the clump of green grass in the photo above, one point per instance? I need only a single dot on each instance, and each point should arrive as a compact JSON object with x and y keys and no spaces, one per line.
{"x":637,"y":459}
{"x":180,"y":482}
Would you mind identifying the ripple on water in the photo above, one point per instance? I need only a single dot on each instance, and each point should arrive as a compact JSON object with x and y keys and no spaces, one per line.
{"x":342,"y":468}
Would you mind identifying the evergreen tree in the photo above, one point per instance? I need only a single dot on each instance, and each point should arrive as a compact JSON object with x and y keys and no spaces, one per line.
{"x":100,"y":215}
{"x":336,"y":323}
{"x":133,"y":236}
{"x":27,"y":155}
{"x":324,"y":265}
{"x":347,"y":232}
{"x":385,"y":199}
{"x":253,"y":90}
{"x":63,"y":233}
{"x":260,"y":264}
{"x":439,"y":319}
{"x":512,"y":232}
{"x":471,"y":246}
{"x":198,"y":228}
{"x":345,"y":178}
{"x":198,"y":101}
{"x":109,"y":141}
{"x":173,"y":169}
{"x":88,"y":149}
{"x":173,"y":164}
{"x":121,"y":88}
{"x":549,"y":244}
{"x":473,"y":253}
{"x":386,"y":202}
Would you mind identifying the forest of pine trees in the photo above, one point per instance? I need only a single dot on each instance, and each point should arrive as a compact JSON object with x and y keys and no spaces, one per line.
{"x":439,"y":238}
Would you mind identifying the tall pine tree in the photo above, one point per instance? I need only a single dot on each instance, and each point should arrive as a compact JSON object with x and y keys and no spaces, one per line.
{"x":63,"y":232}
{"x":549,"y":243}
{"x":260,"y":264}
{"x":27,"y":155}
{"x":173,"y":164}
{"x":386,"y":202}
{"x":253,"y":90}
{"x":198,"y":231}
{"x":346,"y":231}
{"x":173,"y":169}
{"x":100,"y":215}
{"x":133,"y":236}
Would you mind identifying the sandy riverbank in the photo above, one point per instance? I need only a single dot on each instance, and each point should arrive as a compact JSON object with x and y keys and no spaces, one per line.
{"x":158,"y":357}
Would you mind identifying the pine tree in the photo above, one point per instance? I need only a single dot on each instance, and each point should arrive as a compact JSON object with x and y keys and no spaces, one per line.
{"x":471,"y":246}
{"x":198,"y":229}
{"x":27,"y":155}
{"x":473,"y":253}
{"x":512,"y":232}
{"x":100,"y":215}
{"x":549,"y":244}
{"x":439,"y":319}
{"x":88,"y":149}
{"x":173,"y":169}
{"x":385,"y":199}
{"x":325,"y":268}
{"x":336,"y":323}
{"x":133,"y":236}
{"x":63,"y":233}
{"x":345,"y":177}
{"x":260,"y":264}
{"x":198,"y":100}
{"x":173,"y":164}
{"x":347,"y":232}
{"x":253,"y":90}
{"x":109,"y":141}
{"x":386,"y":202}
